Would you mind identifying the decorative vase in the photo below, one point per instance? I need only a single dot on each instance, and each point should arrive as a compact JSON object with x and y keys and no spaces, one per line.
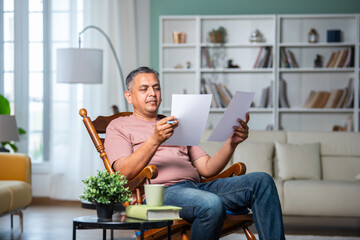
{"x":104,"y":211}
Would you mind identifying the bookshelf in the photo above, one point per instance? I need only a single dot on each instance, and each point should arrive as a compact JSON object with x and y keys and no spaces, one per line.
{"x":184,"y":65}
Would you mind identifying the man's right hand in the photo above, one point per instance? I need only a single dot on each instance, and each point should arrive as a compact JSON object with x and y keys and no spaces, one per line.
{"x":164,"y":130}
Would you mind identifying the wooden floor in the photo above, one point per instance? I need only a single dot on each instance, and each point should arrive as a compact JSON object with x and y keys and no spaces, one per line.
{"x":45,"y":220}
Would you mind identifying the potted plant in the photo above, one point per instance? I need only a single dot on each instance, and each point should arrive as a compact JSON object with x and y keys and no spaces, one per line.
{"x":104,"y":190}
{"x":218,"y":35}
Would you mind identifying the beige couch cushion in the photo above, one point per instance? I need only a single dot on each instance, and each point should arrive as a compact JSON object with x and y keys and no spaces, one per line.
{"x":266,"y":136}
{"x":340,"y":168}
{"x":322,"y":198}
{"x":332,"y":143}
{"x":256,"y":156}
{"x":298,"y":161}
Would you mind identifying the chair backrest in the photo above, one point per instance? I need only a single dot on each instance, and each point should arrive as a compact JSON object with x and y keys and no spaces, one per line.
{"x":98,"y":126}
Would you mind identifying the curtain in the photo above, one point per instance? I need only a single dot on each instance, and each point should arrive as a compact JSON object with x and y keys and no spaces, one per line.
{"x":73,"y":155}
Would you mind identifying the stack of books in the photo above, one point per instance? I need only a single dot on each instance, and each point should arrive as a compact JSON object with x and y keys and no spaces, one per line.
{"x":336,"y":98}
{"x":287,"y":59}
{"x":221,"y":94}
{"x":264,"y":58}
{"x":266,"y":99}
{"x":341,"y":59}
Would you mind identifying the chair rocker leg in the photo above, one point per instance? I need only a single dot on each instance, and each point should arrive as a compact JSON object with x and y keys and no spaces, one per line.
{"x":249,"y":235}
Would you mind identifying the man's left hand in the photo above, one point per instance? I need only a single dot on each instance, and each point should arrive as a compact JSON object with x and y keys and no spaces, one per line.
{"x":242,"y":132}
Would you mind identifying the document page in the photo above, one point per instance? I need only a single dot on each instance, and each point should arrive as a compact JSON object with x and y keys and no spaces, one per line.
{"x":237,"y":108}
{"x":192,"y":111}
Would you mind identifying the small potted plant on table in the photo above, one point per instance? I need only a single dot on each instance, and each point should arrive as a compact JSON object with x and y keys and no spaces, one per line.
{"x":104,"y":190}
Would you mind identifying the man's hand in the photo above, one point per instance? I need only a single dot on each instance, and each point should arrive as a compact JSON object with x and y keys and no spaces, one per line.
{"x":164,"y":130}
{"x":242,"y":132}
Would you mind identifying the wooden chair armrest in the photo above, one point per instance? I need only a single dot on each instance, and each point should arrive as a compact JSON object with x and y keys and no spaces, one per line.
{"x":235,"y":170}
{"x":149,"y":172}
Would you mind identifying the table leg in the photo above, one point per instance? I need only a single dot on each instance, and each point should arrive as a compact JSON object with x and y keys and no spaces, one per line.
{"x":142,"y":230}
{"x":112,"y":234}
{"x":104,"y":233}
{"x":74,"y":231}
{"x":169,"y":232}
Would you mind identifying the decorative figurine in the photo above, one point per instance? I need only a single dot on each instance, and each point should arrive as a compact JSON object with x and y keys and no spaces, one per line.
{"x":231,"y":65}
{"x":318,"y":62}
{"x":256,"y":36}
{"x":188,"y":65}
{"x":313,"y":36}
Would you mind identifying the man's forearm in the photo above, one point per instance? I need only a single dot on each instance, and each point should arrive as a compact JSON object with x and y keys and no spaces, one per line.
{"x":217,"y":163}
{"x":132,"y":165}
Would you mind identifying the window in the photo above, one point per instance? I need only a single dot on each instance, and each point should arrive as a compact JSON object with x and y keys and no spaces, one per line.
{"x":27,"y":49}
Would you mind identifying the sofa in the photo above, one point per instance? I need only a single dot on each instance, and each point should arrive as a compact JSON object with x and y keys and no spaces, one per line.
{"x":316,"y":173}
{"x":15,"y":184}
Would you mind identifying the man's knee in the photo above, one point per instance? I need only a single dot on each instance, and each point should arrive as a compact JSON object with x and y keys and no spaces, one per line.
{"x":211,"y":207}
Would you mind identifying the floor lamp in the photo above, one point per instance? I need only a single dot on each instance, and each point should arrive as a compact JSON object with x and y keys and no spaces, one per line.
{"x":84,"y":65}
{"x":8,"y":131}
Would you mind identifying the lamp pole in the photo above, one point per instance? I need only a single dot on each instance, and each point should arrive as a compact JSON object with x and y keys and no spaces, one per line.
{"x":113,"y":51}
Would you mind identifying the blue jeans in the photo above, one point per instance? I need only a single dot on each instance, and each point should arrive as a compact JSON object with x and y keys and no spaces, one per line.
{"x":204,"y":204}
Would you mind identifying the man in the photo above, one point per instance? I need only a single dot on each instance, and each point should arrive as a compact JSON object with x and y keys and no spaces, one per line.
{"x":134,"y":142}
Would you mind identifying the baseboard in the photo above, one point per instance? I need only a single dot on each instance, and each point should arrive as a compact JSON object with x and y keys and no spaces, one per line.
{"x":50,"y":201}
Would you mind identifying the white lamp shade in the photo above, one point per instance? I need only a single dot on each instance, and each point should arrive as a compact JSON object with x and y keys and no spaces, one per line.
{"x":79,"y":65}
{"x":8,"y":129}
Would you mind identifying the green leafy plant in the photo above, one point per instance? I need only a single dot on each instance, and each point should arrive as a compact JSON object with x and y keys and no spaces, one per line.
{"x":5,"y":110}
{"x":106,"y":188}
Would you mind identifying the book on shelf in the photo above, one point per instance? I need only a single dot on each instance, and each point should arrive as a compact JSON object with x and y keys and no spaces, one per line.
{"x":336,"y":98}
{"x":342,"y":99}
{"x":216,"y":95}
{"x":258,"y":57}
{"x":320,"y":99}
{"x":283,"y":98}
{"x":264,"y":58}
{"x":349,"y":62}
{"x":206,"y":89}
{"x":206,"y":58}
{"x":331,"y":59}
{"x":146,"y":212}
{"x":340,"y":59}
{"x":288,"y":59}
{"x":309,"y":99}
{"x":349,"y":101}
{"x":264,"y":97}
{"x":221,"y":94}
{"x":269,"y":103}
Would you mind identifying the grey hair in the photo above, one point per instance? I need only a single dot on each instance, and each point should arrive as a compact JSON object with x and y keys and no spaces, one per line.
{"x":132,"y":75}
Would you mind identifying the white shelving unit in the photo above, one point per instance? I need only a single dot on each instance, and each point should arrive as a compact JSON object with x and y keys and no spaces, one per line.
{"x":281,"y":31}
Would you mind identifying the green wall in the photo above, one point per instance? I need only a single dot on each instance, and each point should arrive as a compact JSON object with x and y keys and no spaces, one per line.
{"x":235,"y":7}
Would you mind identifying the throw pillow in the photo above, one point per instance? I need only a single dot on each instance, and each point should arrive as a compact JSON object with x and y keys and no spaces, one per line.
{"x":256,"y":156}
{"x":298,"y":161}
{"x":358,"y":177}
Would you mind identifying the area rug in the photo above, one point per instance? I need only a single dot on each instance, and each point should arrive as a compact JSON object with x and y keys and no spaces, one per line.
{"x":238,"y":236}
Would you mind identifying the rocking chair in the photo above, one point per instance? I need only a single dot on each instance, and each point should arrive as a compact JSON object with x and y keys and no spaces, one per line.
{"x":180,"y":229}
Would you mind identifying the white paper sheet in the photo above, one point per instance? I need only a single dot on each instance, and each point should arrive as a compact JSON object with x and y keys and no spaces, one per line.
{"x":192,"y":111}
{"x":237,"y":108}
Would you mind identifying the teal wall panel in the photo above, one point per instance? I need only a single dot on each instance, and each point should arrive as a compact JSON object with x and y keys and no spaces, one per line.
{"x":236,"y":7}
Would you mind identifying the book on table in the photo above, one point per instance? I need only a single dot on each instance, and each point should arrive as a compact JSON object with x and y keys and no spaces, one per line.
{"x":146,"y":212}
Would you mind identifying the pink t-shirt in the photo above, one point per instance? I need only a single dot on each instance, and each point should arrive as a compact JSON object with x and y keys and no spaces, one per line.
{"x":125,"y":135}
